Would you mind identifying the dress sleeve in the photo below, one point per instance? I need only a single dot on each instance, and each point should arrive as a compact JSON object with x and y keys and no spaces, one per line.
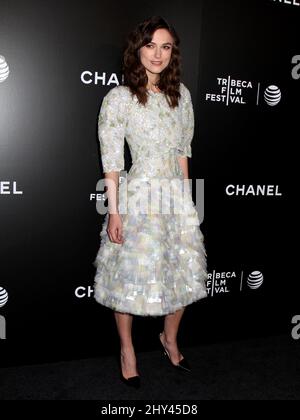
{"x":111,"y":130}
{"x":188,"y":123}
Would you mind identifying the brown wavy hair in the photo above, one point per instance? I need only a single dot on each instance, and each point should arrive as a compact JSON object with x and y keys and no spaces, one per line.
{"x":135,"y":76}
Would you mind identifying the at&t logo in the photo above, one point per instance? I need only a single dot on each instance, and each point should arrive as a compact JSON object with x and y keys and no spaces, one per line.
{"x":3,"y":300}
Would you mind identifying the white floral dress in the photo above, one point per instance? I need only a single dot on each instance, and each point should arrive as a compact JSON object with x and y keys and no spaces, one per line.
{"x":161,"y":265}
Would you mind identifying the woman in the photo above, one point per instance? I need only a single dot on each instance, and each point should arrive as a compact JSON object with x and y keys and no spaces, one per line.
{"x":149,"y":263}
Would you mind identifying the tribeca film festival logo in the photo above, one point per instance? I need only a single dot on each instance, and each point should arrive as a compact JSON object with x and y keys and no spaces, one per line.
{"x":233,"y":91}
{"x":3,"y":301}
{"x":225,"y":282}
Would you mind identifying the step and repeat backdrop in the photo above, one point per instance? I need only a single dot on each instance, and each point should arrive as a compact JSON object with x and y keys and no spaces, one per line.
{"x":241,"y":62}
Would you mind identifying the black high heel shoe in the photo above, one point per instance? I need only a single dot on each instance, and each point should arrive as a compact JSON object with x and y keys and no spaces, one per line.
{"x":183,"y":364}
{"x":133,"y":381}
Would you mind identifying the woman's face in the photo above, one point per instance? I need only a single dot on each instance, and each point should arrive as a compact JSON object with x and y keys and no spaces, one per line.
{"x":156,"y":55}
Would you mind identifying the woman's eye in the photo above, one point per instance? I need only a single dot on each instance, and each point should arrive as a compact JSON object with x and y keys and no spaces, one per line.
{"x":167,"y":47}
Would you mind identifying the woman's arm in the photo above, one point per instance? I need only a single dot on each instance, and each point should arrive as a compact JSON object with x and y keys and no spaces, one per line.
{"x":112,"y":184}
{"x":183,"y":162}
{"x":184,"y":146}
{"x":115,"y":225}
{"x":111,"y":133}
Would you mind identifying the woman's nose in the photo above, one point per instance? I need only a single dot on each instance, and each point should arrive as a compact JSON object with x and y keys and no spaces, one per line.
{"x":157,"y":53}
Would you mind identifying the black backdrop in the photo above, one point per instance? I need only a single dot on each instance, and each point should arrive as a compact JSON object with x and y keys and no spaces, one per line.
{"x":62,"y":58}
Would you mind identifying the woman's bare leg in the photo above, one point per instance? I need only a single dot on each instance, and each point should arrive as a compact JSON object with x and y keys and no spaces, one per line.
{"x":128,"y":359}
{"x":169,"y":336}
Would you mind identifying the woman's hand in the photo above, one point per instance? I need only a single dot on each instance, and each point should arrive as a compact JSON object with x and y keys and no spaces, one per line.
{"x":115,"y":228}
